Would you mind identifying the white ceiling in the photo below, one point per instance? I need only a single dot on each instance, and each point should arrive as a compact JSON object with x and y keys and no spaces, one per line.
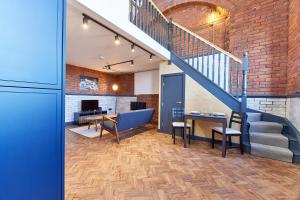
{"x":94,"y":47}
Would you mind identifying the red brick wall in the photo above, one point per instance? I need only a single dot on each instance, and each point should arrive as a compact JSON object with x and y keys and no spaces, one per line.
{"x":261,"y":29}
{"x":197,"y":15}
{"x":256,"y":26}
{"x":125,"y":82}
{"x":293,"y":85}
{"x":152,"y":102}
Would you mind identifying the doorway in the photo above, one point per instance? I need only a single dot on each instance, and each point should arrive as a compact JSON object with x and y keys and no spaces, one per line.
{"x":172,"y":96}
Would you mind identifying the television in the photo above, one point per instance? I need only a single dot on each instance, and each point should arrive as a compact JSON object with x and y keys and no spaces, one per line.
{"x":137,"y":105}
{"x":89,"y":105}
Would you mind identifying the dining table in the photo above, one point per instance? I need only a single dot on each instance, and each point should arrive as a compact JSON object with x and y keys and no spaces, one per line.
{"x":211,"y":117}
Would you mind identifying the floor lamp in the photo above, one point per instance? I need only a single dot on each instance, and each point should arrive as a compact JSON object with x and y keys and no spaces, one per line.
{"x":115,"y":88}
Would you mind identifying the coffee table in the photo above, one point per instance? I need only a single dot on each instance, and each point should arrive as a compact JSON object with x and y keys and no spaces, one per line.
{"x":94,"y":119}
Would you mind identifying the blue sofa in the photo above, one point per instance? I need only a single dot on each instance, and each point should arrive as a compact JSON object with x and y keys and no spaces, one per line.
{"x":126,"y":121}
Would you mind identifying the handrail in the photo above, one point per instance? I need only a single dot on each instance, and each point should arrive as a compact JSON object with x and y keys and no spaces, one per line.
{"x":209,"y":43}
{"x":159,"y":11}
{"x":221,"y":67}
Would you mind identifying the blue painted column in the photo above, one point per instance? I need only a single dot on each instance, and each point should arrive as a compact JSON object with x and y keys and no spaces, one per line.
{"x":32,"y":71}
{"x":246,"y":139}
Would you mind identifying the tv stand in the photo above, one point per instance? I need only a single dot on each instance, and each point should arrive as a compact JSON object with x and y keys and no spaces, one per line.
{"x":81,"y":117}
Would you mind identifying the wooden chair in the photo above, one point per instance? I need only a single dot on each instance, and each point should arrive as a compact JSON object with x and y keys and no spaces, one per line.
{"x":178,"y":123}
{"x":237,"y":118}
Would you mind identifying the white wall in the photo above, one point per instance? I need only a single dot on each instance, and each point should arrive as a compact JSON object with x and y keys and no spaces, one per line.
{"x":293,"y":111}
{"x":73,"y":104}
{"x":115,"y":15}
{"x":146,"y":82}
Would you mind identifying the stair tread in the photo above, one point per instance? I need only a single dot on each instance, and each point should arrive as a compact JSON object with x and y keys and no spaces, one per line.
{"x":269,"y":147}
{"x":271,"y":135}
{"x":266,"y":127}
{"x":266,"y":123}
{"x":273,"y":152}
{"x":277,"y":140}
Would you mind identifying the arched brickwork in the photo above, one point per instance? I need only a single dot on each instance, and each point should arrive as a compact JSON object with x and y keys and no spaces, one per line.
{"x":167,"y":4}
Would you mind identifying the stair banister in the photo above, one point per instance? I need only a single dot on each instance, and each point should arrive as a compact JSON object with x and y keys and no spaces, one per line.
{"x":244,"y":102}
{"x":244,"y":87}
{"x":208,"y":42}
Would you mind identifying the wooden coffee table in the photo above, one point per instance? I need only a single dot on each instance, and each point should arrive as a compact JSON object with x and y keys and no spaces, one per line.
{"x":94,"y":119}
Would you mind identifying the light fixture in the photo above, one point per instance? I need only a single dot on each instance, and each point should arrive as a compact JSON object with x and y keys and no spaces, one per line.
{"x":87,"y":18}
{"x":117,"y":40}
{"x":212,"y":18}
{"x":150,"y":57}
{"x":85,"y":23}
{"x":115,"y":87}
{"x":131,"y":63}
{"x":132,"y":48}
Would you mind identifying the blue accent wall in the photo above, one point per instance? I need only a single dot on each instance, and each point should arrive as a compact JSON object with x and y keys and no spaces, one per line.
{"x":32,"y":73}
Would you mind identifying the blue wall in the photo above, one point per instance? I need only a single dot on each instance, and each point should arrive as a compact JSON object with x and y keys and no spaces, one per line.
{"x":32,"y":49}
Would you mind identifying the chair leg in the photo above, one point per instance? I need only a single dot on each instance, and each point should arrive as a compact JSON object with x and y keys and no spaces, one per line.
{"x":101,"y":130}
{"x":117,"y":134}
{"x":189,"y":135}
{"x":212,"y":139}
{"x":241,"y":145}
{"x":224,"y":145}
{"x":230,"y":141}
{"x":174,"y":136}
{"x":172,"y":132}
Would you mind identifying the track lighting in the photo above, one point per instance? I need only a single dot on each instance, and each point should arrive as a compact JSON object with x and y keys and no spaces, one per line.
{"x":131,"y":63}
{"x":117,"y":40}
{"x":85,"y":23}
{"x":150,"y":57}
{"x":132,"y":48}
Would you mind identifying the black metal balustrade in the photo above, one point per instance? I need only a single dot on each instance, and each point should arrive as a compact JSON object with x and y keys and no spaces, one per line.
{"x":216,"y":64}
{"x":146,"y":16}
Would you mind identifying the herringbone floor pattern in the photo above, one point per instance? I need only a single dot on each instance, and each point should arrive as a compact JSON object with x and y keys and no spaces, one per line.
{"x":149,"y":166}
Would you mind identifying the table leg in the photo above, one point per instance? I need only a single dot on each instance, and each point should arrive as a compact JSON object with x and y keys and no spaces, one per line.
{"x":184,"y":134}
{"x":193,"y":127}
{"x":96,"y":125}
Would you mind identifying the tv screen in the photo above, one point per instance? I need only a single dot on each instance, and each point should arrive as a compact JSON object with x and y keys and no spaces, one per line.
{"x":89,"y":105}
{"x":137,"y":105}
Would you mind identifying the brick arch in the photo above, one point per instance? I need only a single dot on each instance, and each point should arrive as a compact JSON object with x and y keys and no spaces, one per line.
{"x":165,"y":5}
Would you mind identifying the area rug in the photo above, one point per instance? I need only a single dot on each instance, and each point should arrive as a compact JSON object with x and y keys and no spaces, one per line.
{"x":90,"y":133}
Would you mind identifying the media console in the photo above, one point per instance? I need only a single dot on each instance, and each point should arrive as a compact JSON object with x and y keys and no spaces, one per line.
{"x":81,"y":117}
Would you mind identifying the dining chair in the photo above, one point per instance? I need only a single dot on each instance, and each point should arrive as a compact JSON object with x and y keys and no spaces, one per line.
{"x":178,"y":123}
{"x":237,"y":118}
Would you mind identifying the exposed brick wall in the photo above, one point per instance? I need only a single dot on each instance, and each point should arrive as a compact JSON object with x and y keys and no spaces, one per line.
{"x":125,"y":82}
{"x":259,"y":27}
{"x":293,"y":85}
{"x":152,"y":102}
{"x":197,"y":15}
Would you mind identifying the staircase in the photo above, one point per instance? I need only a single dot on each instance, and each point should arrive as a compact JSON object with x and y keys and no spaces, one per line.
{"x":266,"y":139}
{"x":221,"y":73}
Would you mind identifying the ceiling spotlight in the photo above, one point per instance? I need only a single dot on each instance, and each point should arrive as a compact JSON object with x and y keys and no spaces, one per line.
{"x":131,"y":63}
{"x":150,"y":57}
{"x":132,"y":48}
{"x":85,"y":23}
{"x":117,"y":40}
{"x":107,"y":67}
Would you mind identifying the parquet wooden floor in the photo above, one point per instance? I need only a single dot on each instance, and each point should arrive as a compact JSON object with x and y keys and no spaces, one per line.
{"x":149,"y":166}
